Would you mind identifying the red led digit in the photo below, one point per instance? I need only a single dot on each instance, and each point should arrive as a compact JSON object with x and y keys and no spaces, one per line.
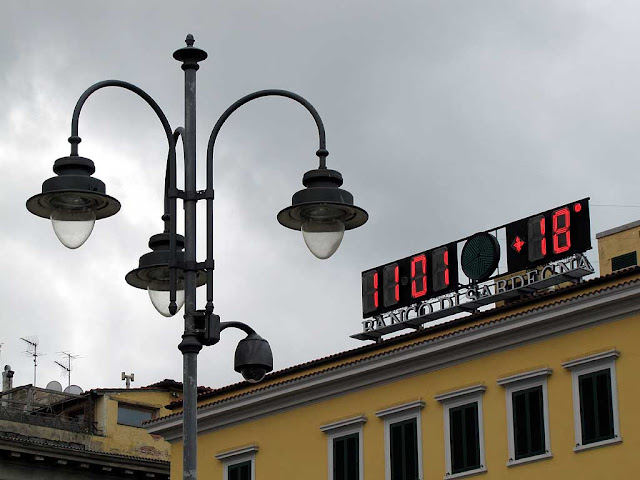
{"x":537,"y":240}
{"x":418,"y":276}
{"x":370,"y":297}
{"x":397,"y":280}
{"x":391,"y":284}
{"x":561,"y":232}
{"x":543,"y":243}
{"x":440,"y":274}
{"x":446,"y":271}
{"x":375,"y":294}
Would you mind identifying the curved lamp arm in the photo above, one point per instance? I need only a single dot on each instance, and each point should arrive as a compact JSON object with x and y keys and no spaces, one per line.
{"x":170,"y":176}
{"x":239,"y":325}
{"x":74,"y":140}
{"x":322,"y":153}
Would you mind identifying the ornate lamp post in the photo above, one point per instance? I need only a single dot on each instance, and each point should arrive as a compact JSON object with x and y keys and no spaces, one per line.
{"x":74,"y":200}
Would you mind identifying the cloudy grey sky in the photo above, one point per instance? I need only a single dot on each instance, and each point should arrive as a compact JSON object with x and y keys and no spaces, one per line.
{"x":444,"y":117}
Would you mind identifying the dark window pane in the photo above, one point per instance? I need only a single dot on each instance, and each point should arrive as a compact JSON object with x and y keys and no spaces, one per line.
{"x":239,"y":471}
{"x":133,"y":416}
{"x":596,"y":407}
{"x":456,"y":433}
{"x":587,"y":408}
{"x":536,"y":421}
{"x":346,"y":457}
{"x":473,"y":437}
{"x":403,"y":437}
{"x":464,"y":438}
{"x":396,"y":451}
{"x":338,"y":459}
{"x":352,"y":457}
{"x":604,"y":405}
{"x":411,"y":450}
{"x":520,"y":432}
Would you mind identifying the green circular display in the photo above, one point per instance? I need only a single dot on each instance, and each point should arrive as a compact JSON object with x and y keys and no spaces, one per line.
{"x":480,"y":256}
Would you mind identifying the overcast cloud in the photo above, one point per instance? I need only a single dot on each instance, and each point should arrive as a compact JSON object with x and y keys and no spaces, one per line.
{"x":444,"y":117}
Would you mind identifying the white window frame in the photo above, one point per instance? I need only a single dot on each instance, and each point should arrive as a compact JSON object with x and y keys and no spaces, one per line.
{"x":516,"y":383}
{"x":454,"y":399}
{"x":399,"y":413}
{"x":342,"y":428}
{"x":238,"y":455}
{"x":589,"y":364}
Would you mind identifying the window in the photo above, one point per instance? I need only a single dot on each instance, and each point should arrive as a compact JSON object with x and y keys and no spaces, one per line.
{"x":345,"y":457}
{"x":403,"y":438}
{"x":623,"y":261}
{"x":596,"y":410}
{"x":528,"y":422}
{"x":345,"y":448}
{"x":527,"y":416}
{"x":239,"y":464}
{"x":403,"y":441}
{"x":464,"y":437}
{"x":463,"y":431}
{"x":595,"y":400}
{"x":133,"y":415}
{"x":239,"y":471}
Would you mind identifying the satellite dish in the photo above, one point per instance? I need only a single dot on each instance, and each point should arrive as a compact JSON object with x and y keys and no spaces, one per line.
{"x":54,"y":385}
{"x":73,"y":389}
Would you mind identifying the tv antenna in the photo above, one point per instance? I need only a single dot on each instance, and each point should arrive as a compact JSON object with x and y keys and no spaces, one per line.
{"x":32,"y":351}
{"x":66,"y":369}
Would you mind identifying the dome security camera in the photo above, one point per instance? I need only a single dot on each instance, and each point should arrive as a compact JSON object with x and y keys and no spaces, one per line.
{"x":253,"y":358}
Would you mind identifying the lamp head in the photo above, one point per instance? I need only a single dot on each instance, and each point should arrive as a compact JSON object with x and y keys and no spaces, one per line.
{"x":153,"y":273}
{"x":322,"y":211}
{"x":253,"y":358}
{"x":73,"y":200}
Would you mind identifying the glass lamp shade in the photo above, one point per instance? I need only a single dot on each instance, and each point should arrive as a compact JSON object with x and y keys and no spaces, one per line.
{"x":322,"y":235}
{"x":159,"y":295}
{"x":73,"y":226}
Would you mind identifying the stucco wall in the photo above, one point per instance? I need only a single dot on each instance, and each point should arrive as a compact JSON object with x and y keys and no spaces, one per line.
{"x":127,"y":440}
{"x":291,"y":444}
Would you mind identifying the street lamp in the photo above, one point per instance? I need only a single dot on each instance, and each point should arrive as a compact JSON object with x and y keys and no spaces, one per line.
{"x":73,"y":200}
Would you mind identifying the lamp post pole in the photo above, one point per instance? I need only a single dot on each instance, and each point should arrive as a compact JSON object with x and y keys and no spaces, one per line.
{"x":190,"y":345}
{"x":73,"y":200}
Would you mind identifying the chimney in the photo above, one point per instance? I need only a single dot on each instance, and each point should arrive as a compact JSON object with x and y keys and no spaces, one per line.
{"x":7,"y":378}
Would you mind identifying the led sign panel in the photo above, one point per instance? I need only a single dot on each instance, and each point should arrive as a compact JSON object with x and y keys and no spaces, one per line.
{"x":536,"y":240}
{"x":548,"y":236}
{"x":410,"y":280}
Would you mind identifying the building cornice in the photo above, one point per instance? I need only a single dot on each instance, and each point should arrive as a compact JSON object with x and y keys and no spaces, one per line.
{"x":588,"y":309}
{"x":349,"y":422}
{"x":404,"y":408}
{"x":590,"y":359}
{"x":460,"y":392}
{"x":519,"y":377}
{"x":236,"y":452}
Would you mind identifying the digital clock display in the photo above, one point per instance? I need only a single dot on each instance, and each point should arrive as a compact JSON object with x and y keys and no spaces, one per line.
{"x":410,"y":280}
{"x":548,"y":236}
{"x":536,"y":240}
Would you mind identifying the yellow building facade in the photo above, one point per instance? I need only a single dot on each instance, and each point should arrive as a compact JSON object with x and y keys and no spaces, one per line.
{"x":544,"y":387}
